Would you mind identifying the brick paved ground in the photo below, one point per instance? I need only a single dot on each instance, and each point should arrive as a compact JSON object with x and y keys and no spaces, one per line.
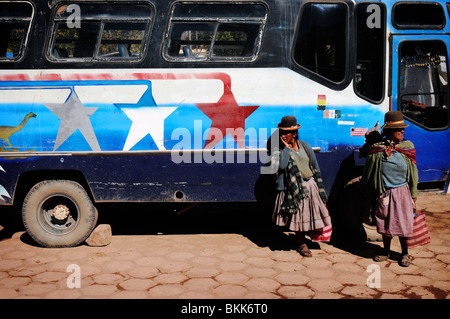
{"x":227,"y":256}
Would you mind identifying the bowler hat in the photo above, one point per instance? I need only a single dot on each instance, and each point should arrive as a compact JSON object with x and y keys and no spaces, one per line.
{"x":288,"y":123}
{"x":394,"y":119}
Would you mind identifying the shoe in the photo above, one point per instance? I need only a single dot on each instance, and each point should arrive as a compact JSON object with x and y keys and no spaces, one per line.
{"x":380,"y":258}
{"x":304,"y":251}
{"x":405,"y":261}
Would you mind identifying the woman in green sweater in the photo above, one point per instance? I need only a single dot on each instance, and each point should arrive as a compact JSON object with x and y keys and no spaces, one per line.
{"x":390,"y":176}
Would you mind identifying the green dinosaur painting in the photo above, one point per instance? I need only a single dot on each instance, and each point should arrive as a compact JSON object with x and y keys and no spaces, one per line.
{"x":7,"y":131}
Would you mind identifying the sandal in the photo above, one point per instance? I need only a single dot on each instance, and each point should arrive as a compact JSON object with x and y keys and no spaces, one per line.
{"x":405,"y":261}
{"x":304,"y":251}
{"x":380,"y":258}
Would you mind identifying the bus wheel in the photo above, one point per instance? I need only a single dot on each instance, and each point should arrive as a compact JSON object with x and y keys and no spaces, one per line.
{"x":58,"y":213}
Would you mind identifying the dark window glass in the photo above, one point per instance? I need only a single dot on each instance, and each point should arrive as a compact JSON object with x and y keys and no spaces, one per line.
{"x":76,"y":42}
{"x":236,"y":40}
{"x":423,"y":83}
{"x":191,"y":40}
{"x":320,"y":46}
{"x":370,"y":50}
{"x":122,"y":40}
{"x":15,"y":21}
{"x":424,"y":15}
{"x":215,"y":32}
{"x":113,"y":32}
{"x":216,"y":10}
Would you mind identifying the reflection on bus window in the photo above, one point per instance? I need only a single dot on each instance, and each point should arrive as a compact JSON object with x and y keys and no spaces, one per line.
{"x":215,"y":32}
{"x":119,"y":35}
{"x":191,"y":40}
{"x":370,"y":52}
{"x":15,"y":20}
{"x":423,"y":83}
{"x":422,"y":15}
{"x":75,"y":42}
{"x":320,"y":46}
{"x":122,"y":40}
{"x":237,"y":39}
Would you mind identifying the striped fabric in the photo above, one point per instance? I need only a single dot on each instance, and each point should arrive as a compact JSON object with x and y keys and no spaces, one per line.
{"x":323,"y":235}
{"x":420,"y":235}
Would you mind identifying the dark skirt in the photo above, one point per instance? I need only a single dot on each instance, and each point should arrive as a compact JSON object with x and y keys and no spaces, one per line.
{"x":394,"y":212}
{"x":311,"y":213}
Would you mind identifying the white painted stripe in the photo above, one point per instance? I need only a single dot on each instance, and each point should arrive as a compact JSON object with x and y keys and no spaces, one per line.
{"x":175,"y":92}
{"x":110,"y":93}
{"x":50,"y":95}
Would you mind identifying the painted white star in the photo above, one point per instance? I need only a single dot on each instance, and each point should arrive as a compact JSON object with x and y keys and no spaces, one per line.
{"x":147,"y":120}
{"x":74,"y":116}
{"x":3,"y":192}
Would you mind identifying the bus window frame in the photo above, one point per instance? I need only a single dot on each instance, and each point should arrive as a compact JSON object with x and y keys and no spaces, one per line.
{"x":400,"y":96}
{"x":385,"y":47}
{"x":417,"y":27}
{"x":211,"y":58}
{"x":96,"y":58}
{"x":349,"y":58}
{"x":24,"y":44}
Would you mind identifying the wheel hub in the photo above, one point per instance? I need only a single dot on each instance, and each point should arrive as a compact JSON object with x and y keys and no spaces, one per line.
{"x":60,"y":212}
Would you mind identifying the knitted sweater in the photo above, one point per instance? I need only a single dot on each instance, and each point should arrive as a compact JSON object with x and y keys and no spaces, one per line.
{"x":372,"y":180}
{"x":280,"y":161}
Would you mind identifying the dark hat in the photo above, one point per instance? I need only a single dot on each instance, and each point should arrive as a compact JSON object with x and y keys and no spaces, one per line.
{"x":288,"y":123}
{"x":394,"y":119}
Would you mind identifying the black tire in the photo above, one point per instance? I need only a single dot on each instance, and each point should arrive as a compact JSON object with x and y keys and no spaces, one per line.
{"x":49,"y":231}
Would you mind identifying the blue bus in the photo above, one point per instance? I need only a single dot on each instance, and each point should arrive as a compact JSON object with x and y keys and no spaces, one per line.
{"x":175,"y":101}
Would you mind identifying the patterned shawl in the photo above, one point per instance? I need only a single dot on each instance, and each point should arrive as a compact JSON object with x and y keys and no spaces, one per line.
{"x":295,"y":186}
{"x":388,"y":146}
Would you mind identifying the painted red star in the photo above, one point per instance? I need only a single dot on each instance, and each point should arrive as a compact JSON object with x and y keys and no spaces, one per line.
{"x":227,"y":117}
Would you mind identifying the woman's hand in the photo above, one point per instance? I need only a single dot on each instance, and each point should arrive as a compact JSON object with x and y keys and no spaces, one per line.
{"x":283,"y":139}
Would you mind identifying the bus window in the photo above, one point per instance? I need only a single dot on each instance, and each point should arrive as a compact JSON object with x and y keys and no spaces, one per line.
{"x":370,"y":50}
{"x":112,"y":32}
{"x":122,"y":40}
{"x":422,"y":15}
{"x":191,"y":40}
{"x":321,"y":42}
{"x":15,"y":22}
{"x":75,"y":42}
{"x":236,"y":40}
{"x":215,"y":32}
{"x":423,"y":83}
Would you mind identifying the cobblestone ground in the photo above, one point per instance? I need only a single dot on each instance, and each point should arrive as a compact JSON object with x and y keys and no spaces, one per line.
{"x":185,"y":260}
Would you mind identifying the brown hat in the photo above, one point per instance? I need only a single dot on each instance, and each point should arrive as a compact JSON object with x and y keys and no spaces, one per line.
{"x":288,"y":123}
{"x":394,"y":119}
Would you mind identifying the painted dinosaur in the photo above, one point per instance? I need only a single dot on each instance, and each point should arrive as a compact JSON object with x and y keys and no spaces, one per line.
{"x":7,"y":131}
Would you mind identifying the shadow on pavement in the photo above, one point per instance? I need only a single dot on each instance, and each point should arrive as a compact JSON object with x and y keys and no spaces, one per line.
{"x":252,"y":220}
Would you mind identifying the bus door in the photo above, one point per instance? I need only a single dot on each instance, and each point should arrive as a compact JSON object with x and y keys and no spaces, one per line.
{"x":420,"y":91}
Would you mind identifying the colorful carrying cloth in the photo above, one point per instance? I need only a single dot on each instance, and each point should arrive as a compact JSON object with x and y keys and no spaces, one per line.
{"x":420,"y":235}
{"x":388,"y":147}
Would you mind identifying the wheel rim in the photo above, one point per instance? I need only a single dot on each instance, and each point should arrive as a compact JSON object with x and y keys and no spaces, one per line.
{"x":58,"y":225}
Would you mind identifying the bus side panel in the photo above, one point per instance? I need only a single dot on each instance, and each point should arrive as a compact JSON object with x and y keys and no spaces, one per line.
{"x":140,"y":178}
{"x":141,"y":117}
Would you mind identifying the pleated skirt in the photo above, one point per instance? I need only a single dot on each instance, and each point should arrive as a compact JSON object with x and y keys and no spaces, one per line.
{"x":394,"y":212}
{"x":311,"y":213}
